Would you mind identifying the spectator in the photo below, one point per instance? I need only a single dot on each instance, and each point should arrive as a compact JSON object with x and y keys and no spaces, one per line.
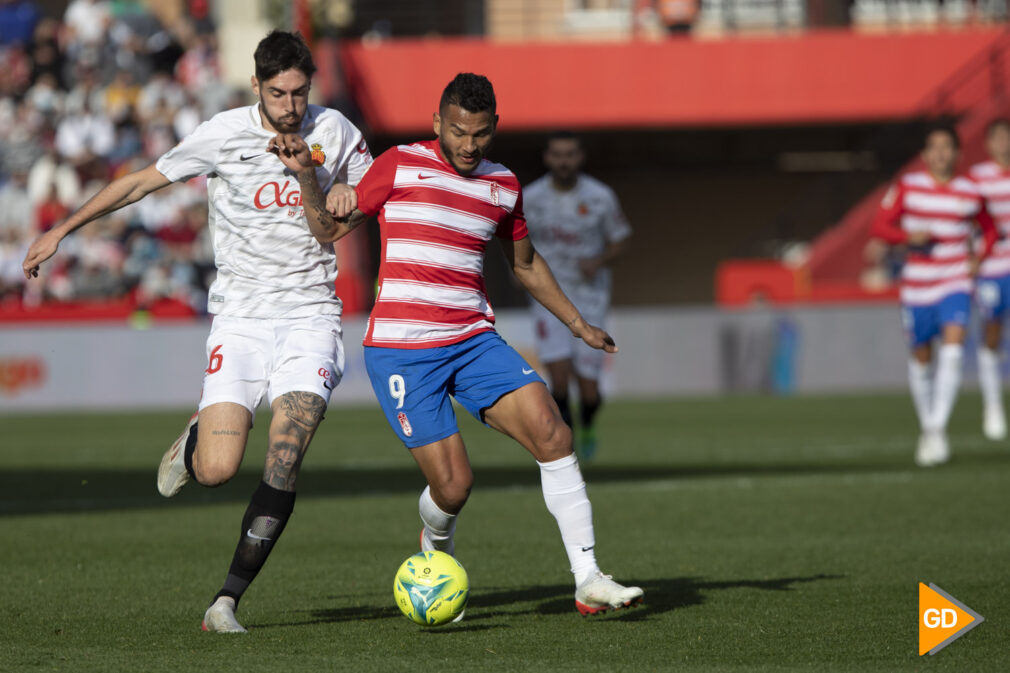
{"x":18,"y":19}
{"x":85,"y":136}
{"x":52,"y":140}
{"x":16,"y":228}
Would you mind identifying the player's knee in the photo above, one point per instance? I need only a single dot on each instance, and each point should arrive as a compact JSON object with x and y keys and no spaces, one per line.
{"x":452,"y":494}
{"x":553,"y":438}
{"x":212,"y":471}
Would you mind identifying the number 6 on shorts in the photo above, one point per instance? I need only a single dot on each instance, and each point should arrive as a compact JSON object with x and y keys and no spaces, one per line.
{"x":397,"y":389}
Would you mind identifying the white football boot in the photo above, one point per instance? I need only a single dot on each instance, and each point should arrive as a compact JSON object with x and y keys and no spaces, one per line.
{"x":994,"y":423}
{"x":933,"y":449}
{"x":172,"y":474}
{"x":600,"y":593}
{"x":941,"y":453}
{"x":220,"y":617}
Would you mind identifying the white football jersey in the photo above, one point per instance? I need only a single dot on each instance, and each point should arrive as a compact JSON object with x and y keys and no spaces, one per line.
{"x":268,"y":263}
{"x":569,"y":226}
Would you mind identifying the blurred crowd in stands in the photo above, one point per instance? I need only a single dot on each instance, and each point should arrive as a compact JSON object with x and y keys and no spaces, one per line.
{"x":103,"y":90}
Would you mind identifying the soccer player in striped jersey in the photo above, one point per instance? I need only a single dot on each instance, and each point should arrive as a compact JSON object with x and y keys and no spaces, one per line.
{"x":577,"y":225}
{"x":993,"y":292}
{"x":276,"y":329}
{"x":932,"y":213}
{"x":431,"y":334}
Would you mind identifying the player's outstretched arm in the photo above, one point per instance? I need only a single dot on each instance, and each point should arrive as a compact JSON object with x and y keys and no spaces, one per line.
{"x":535,"y":275}
{"x":120,"y":192}
{"x":328,"y":220}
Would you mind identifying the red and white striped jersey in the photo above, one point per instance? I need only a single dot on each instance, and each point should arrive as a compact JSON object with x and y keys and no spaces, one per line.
{"x":435,"y":227}
{"x":946,"y":211}
{"x":994,"y":182}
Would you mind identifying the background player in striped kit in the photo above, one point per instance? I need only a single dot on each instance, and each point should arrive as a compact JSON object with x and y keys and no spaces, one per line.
{"x":993,"y":291}
{"x":577,"y":225}
{"x":431,"y":333}
{"x":276,"y":330}
{"x":932,"y":212}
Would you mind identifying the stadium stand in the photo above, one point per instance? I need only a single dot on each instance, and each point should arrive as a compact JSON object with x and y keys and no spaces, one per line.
{"x":83,"y":98}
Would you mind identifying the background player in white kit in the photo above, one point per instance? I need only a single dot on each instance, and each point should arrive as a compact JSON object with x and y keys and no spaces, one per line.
{"x":577,"y":225}
{"x":277,"y":329}
{"x":992,"y":293}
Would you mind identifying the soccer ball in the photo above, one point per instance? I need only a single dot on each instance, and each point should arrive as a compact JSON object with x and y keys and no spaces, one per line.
{"x":431,"y":588}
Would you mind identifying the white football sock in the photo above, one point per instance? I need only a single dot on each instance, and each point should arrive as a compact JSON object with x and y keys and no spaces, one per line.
{"x":439,"y":527}
{"x":566,"y":498}
{"x":948,"y":380}
{"x":989,"y":379}
{"x":921,"y":384}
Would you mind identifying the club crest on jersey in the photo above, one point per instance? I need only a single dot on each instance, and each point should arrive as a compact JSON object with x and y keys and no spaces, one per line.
{"x":405,"y":424}
{"x":583,"y":209}
{"x":318,"y":156}
{"x":494,"y":193}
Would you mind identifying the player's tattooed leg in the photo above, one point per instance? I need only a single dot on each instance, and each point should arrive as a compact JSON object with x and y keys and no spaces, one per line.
{"x":296,"y":417}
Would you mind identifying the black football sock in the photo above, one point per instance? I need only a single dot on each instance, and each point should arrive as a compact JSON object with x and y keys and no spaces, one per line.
{"x":588,"y":412}
{"x":188,"y":451}
{"x":263,"y":523}
{"x":566,"y":410}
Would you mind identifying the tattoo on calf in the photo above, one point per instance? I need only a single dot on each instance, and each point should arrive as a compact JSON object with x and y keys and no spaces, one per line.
{"x":283,"y":460}
{"x":302,"y":413}
{"x":305,"y":410}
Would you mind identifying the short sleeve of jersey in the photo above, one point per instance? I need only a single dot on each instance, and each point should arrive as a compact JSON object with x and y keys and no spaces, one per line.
{"x":615,"y":224}
{"x":513,"y":227}
{"x":377,"y":184}
{"x":354,"y":158}
{"x":195,"y":155}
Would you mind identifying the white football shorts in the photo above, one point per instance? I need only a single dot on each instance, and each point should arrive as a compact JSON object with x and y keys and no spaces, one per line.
{"x":248,"y":358}
{"x":554,"y":342}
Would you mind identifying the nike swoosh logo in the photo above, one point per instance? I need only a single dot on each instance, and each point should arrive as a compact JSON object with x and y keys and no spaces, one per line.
{"x":425,"y":177}
{"x":527,"y":371}
{"x":251,"y":156}
{"x":257,"y":537}
{"x":588,"y":548}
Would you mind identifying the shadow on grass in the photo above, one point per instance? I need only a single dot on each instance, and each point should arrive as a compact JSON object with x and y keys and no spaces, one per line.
{"x":661,"y":596}
{"x":26,"y":491}
{"x":83,"y":489}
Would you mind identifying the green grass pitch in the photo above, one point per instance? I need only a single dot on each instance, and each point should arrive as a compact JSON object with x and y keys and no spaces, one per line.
{"x":769,"y":534}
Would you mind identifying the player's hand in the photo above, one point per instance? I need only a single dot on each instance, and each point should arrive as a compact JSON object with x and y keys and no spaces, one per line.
{"x":589,"y":266}
{"x":918,"y":239}
{"x":973,"y":266}
{"x":41,"y":249}
{"x":341,"y":201}
{"x":292,"y":151}
{"x":593,"y":336}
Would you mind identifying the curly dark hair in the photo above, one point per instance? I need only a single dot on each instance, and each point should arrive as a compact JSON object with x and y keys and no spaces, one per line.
{"x":943,"y":126}
{"x":471,"y":92}
{"x":997,"y":123}
{"x":280,"y":51}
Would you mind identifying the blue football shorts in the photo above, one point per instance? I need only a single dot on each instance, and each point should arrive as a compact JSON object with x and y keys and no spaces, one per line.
{"x":993,"y":297}
{"x":414,"y":385}
{"x":924,"y":323}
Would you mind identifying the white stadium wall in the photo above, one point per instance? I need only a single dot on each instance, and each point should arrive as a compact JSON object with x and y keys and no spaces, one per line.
{"x":664,"y":351}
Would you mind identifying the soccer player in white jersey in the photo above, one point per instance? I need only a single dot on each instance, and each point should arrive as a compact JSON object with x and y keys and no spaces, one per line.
{"x":932,"y":212}
{"x":577,"y":225}
{"x":276,"y":329}
{"x":993,"y":292}
{"x":431,"y":334}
